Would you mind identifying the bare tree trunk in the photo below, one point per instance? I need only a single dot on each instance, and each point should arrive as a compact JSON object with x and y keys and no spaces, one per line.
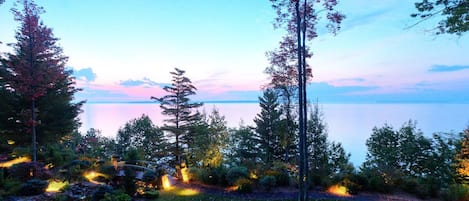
{"x":302,"y":176}
{"x":33,"y":119}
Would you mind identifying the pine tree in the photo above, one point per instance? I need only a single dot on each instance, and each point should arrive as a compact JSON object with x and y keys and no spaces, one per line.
{"x":268,"y":127}
{"x":180,"y":110}
{"x":34,"y":70}
{"x":317,"y":143}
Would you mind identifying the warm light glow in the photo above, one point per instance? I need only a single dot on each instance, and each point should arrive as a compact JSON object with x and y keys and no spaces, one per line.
{"x":8,"y":164}
{"x":338,"y":190}
{"x":56,"y":186}
{"x":90,"y":176}
{"x":188,"y":192}
{"x":232,"y":188}
{"x":253,"y":175}
{"x":10,"y":142}
{"x":185,"y":174}
{"x":166,"y":183}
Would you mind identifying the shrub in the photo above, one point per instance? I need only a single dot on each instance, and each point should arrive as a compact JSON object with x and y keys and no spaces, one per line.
{"x":281,"y":176}
{"x":456,"y":192}
{"x":243,"y":185}
{"x":108,"y":170}
{"x":10,"y":187}
{"x":377,"y":183}
{"x":151,"y":194}
{"x":33,"y":187}
{"x":149,"y":176}
{"x":128,"y":182}
{"x":360,"y":182}
{"x":211,"y":176}
{"x":29,"y":170}
{"x":268,"y":182}
{"x":236,"y":173}
{"x":116,"y":196}
{"x":99,"y":193}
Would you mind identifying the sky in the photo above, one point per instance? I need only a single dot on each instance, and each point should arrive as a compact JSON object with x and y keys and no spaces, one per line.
{"x":124,"y":50}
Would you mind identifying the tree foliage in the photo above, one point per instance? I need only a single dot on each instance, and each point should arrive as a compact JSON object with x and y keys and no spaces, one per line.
{"x":462,"y":158}
{"x":405,"y":154}
{"x":244,"y":147}
{"x":141,"y":134}
{"x":326,"y":158}
{"x":269,"y":127}
{"x":180,"y":110}
{"x":454,"y":14}
{"x":94,"y":145}
{"x":37,"y":90}
{"x":210,"y":137}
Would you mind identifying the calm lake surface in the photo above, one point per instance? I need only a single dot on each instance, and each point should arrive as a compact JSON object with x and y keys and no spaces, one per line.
{"x":350,"y":124}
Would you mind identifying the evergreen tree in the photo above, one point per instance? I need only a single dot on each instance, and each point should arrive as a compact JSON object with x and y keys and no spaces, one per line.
{"x":244,"y":147}
{"x":33,"y":76}
{"x":462,"y":158}
{"x":326,"y":159}
{"x":141,"y":134}
{"x":210,"y":140}
{"x":180,"y":110}
{"x":268,"y":127}
{"x":317,"y":144}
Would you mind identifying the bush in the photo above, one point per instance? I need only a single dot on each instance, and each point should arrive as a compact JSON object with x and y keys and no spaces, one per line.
{"x":211,"y":176}
{"x":108,"y":170}
{"x":149,"y":176}
{"x":236,"y":173}
{"x":151,"y":194}
{"x":33,"y":187}
{"x":23,"y":171}
{"x":377,"y":183}
{"x":360,"y":182}
{"x":116,"y":196}
{"x":268,"y":182}
{"x":128,"y":182}
{"x":456,"y":192}
{"x":10,"y":187}
{"x":100,"y":192}
{"x":243,"y":185}
{"x":281,"y":177}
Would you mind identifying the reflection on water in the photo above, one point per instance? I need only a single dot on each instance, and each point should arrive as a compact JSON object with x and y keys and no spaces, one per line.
{"x":350,"y":124}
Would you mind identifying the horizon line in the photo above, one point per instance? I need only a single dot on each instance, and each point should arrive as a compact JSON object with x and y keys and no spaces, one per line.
{"x":257,"y":101}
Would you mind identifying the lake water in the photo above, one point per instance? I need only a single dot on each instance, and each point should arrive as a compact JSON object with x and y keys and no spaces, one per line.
{"x":350,"y":124}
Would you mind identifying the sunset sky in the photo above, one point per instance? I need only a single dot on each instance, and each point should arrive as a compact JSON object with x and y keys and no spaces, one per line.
{"x":124,"y":50}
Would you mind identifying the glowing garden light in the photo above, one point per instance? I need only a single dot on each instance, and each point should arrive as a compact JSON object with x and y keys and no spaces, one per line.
{"x":166,"y":182}
{"x":10,"y":163}
{"x":56,"y":186}
{"x":338,"y":190}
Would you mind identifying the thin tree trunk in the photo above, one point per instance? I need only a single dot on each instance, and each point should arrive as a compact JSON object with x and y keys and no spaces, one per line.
{"x":33,"y":117}
{"x":305,"y":106}
{"x":302,"y":178}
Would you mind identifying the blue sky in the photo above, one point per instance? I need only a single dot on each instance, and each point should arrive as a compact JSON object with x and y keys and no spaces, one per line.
{"x":124,"y":50}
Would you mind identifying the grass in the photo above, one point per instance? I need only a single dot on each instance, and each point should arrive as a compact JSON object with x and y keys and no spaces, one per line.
{"x":179,"y":194}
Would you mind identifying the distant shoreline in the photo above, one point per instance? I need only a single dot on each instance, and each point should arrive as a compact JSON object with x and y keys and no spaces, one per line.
{"x":256,"y":101}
